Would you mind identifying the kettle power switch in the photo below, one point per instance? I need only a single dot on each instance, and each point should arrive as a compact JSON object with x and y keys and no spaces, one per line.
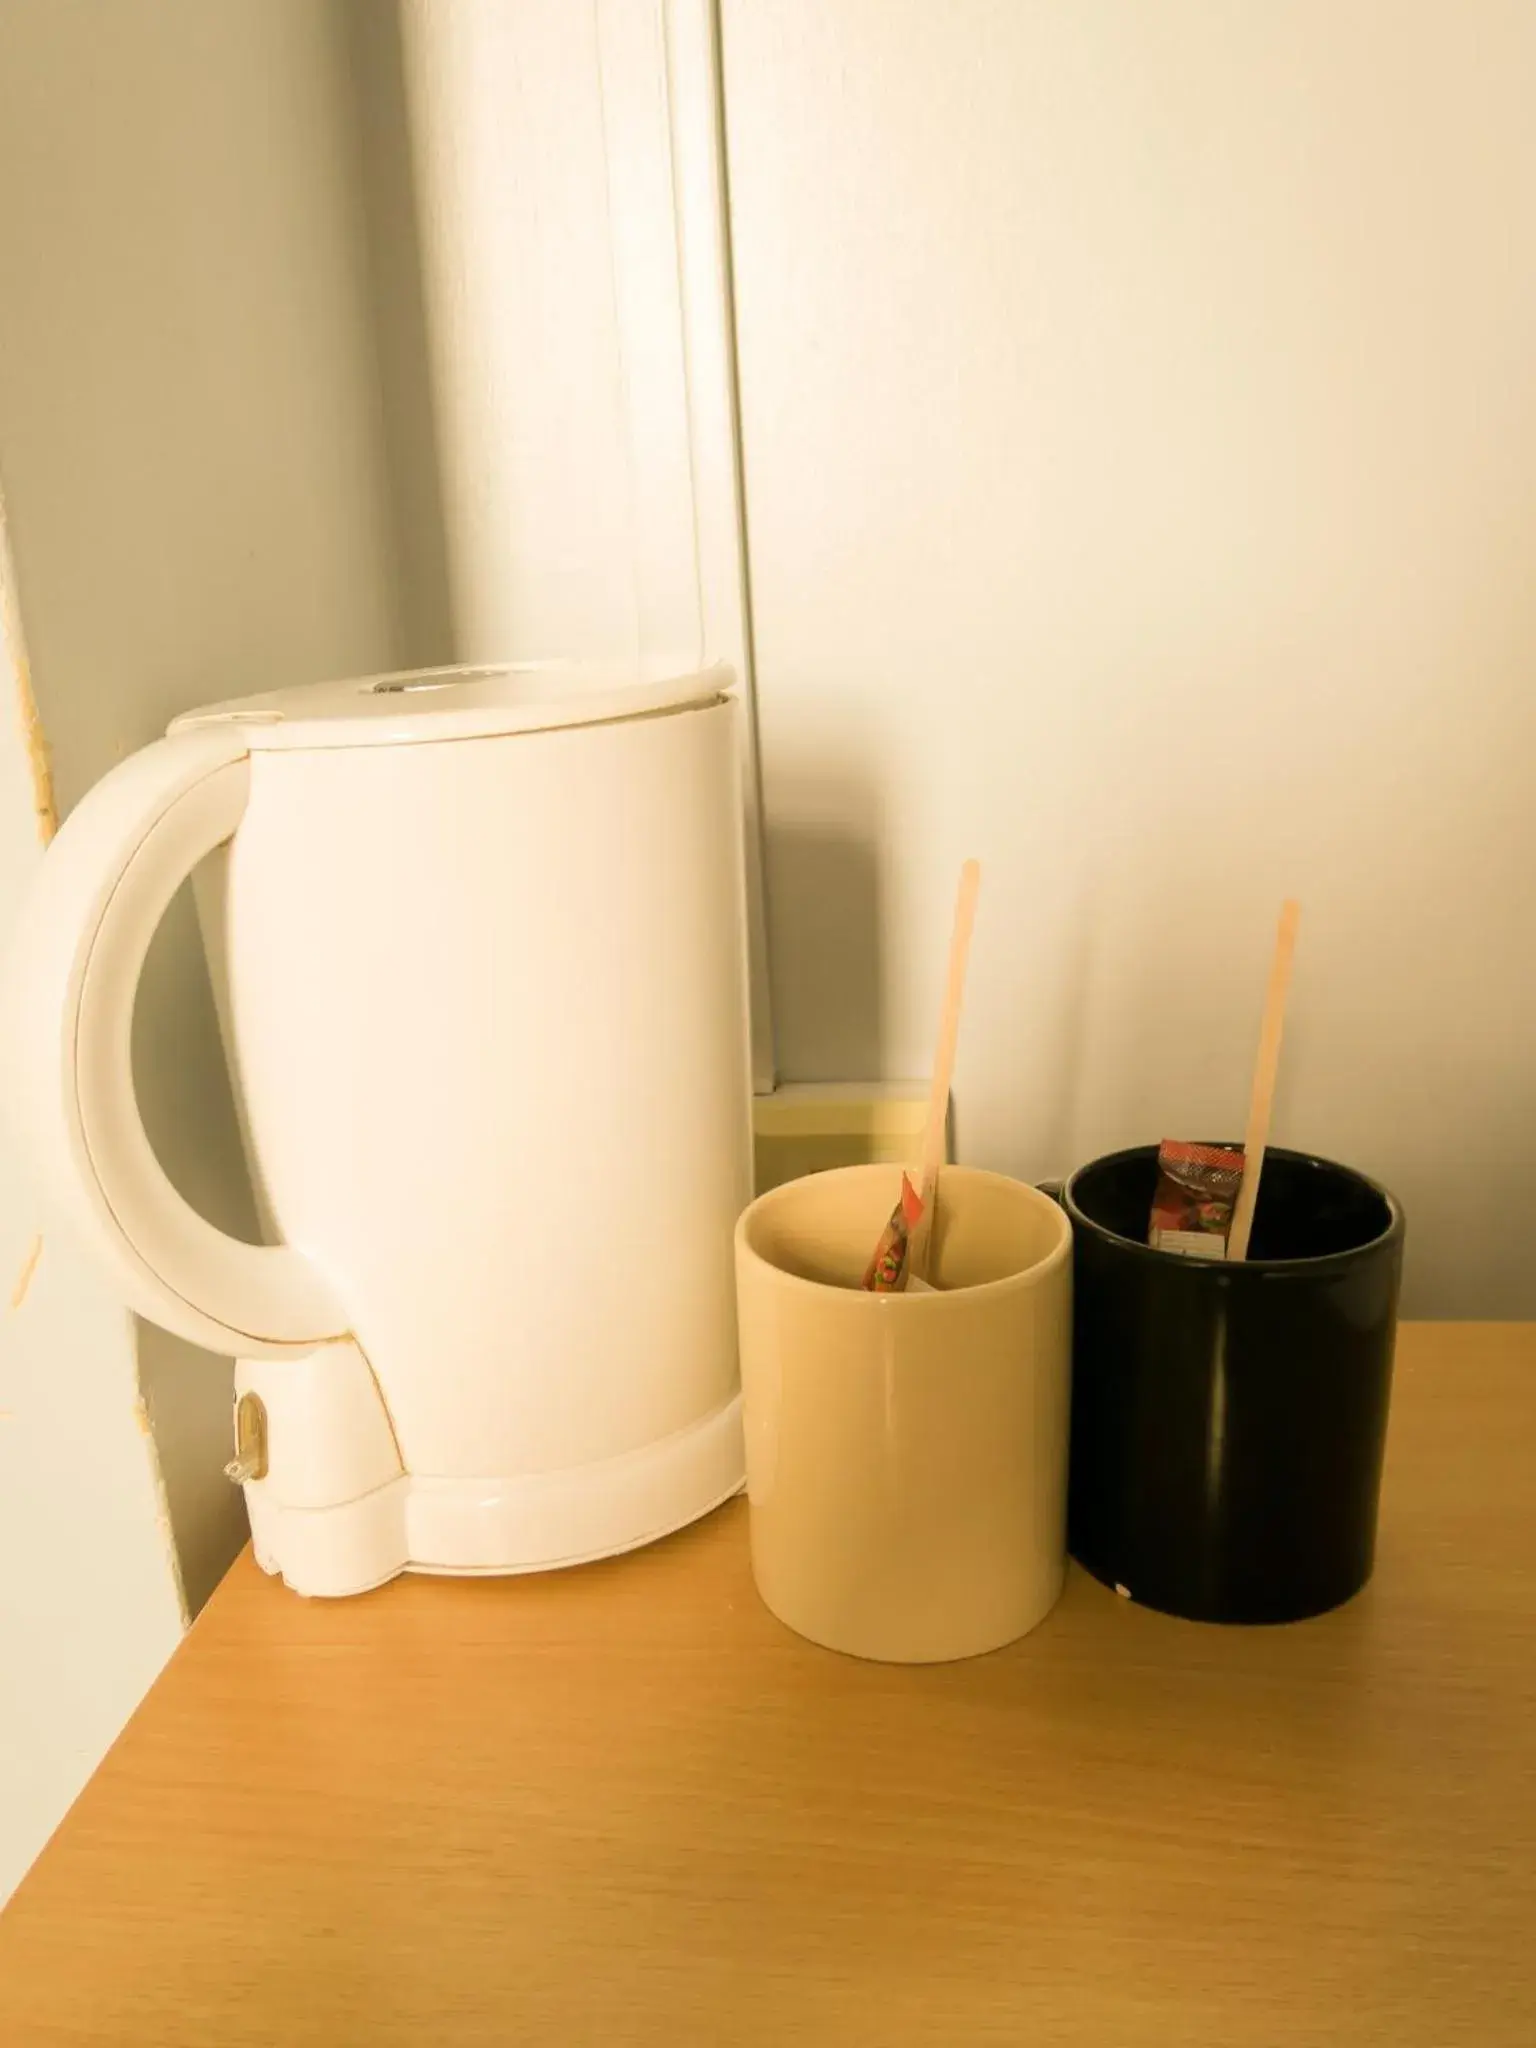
{"x":250,"y":1459}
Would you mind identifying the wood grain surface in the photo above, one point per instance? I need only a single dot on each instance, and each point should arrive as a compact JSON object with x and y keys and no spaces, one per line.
{"x":623,"y":1804}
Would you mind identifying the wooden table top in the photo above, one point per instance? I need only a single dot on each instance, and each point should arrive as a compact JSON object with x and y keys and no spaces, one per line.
{"x":624,"y":1805}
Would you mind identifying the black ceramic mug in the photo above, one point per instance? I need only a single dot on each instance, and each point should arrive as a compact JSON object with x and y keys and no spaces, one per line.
{"x":1228,"y":1420}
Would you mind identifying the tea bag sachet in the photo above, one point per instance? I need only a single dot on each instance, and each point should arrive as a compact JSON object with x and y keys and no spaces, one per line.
{"x":1197,"y":1187}
{"x":887,"y":1271}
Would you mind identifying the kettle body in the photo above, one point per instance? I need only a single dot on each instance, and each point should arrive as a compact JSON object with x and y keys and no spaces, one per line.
{"x":477,"y":941}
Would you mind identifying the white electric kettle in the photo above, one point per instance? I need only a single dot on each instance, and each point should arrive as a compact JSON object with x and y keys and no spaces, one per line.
{"x":477,"y":942}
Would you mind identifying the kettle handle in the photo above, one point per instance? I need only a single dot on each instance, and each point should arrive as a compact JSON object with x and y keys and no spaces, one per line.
{"x":103,"y":887}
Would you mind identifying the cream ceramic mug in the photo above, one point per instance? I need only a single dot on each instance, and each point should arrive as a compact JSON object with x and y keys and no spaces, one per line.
{"x":906,"y":1453}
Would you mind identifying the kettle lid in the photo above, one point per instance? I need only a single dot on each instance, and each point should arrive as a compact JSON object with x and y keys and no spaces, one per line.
{"x":419,"y":705}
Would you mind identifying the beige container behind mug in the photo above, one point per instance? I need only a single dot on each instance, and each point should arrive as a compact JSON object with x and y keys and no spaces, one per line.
{"x":906,"y":1453}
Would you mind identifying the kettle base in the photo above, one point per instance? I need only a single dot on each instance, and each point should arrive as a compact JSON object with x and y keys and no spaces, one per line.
{"x":489,"y":1526}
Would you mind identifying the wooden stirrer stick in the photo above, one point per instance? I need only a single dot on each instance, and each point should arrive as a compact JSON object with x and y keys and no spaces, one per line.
{"x":1265,"y":1069}
{"x":936,"y":1128}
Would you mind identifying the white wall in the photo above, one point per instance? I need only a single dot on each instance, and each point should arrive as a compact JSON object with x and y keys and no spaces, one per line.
{"x":1141,"y":489}
{"x":207,"y":493}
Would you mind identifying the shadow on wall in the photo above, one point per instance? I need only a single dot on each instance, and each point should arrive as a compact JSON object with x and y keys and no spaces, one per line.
{"x":1061,"y":1090}
{"x":825,"y":928}
{"x":188,"y":1110}
{"x":187,"y":1395}
{"x":1027,"y":1036}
